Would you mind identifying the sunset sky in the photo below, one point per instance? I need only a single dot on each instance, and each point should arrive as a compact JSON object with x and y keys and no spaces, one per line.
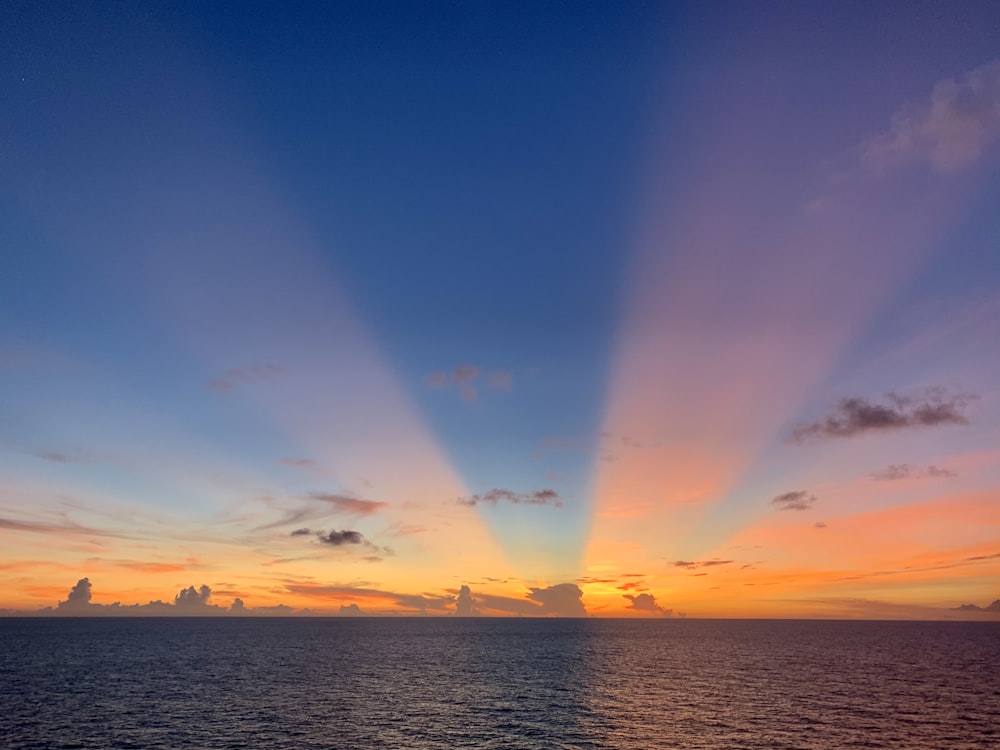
{"x":625,"y":309}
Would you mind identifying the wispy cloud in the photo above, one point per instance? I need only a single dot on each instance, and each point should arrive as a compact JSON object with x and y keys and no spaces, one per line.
{"x":794,"y":500}
{"x":348,"y":505}
{"x":856,"y":416}
{"x":497,"y":496}
{"x":231,"y":379}
{"x":896,"y":472}
{"x":466,"y":378}
{"x":950,"y":131}
{"x":691,"y":565}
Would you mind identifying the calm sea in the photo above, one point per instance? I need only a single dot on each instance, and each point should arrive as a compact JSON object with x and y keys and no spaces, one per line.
{"x":485,"y":683}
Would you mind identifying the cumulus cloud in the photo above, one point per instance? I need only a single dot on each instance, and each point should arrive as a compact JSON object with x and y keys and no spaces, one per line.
{"x":465,"y":605}
{"x":646,"y":603}
{"x":191,"y":597}
{"x":350,"y":610}
{"x":237,"y":607}
{"x":895,"y":472}
{"x":231,"y":379}
{"x":561,"y":600}
{"x":950,"y":131}
{"x":496,"y":496}
{"x":794,"y":500}
{"x":855,"y":416}
{"x":78,"y":598}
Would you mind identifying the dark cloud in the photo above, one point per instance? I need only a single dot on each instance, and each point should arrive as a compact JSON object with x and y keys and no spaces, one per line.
{"x":192,"y":597}
{"x":496,"y":496}
{"x":350,"y":610}
{"x":855,"y":416}
{"x":895,"y":472}
{"x":349,"y":506}
{"x":795,"y":500}
{"x":465,"y":605}
{"x":647,"y":603}
{"x":230,"y":379}
{"x":237,"y":607}
{"x":339,"y":538}
{"x":561,"y":600}
{"x":994,"y":607}
{"x":691,"y":564}
{"x":820,"y":524}
{"x":347,"y":538}
{"x":78,"y":598}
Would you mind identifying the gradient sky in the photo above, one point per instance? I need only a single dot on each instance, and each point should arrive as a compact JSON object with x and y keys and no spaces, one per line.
{"x":629,"y":309}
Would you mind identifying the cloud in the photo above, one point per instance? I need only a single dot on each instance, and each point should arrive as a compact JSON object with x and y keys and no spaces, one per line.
{"x":496,"y":496}
{"x":691,"y":565}
{"x":78,"y":598}
{"x":351,"y":610}
{"x":465,"y":374}
{"x":421,"y":602}
{"x":895,"y":472}
{"x":298,"y":463}
{"x":347,"y":538}
{"x":465,"y":378}
{"x":42,"y":527}
{"x":191,"y":597}
{"x":994,"y":607}
{"x":349,"y":506}
{"x":436,"y":380}
{"x":820,"y":524}
{"x":465,"y":605}
{"x":855,"y":416}
{"x":646,"y":603}
{"x":340,"y":538}
{"x":561,"y":600}
{"x":501,"y":380}
{"x":231,"y":379}
{"x":320,"y":505}
{"x":950,"y":131}
{"x":795,"y":500}
{"x":237,"y":606}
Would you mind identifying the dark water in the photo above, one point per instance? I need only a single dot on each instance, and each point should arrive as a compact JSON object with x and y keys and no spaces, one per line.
{"x":451,"y":683}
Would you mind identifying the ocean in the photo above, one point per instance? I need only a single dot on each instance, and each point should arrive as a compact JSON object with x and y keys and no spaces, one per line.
{"x":497,"y":683}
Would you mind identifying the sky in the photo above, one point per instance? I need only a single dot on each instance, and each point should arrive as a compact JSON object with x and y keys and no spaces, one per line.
{"x":551,"y":309}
